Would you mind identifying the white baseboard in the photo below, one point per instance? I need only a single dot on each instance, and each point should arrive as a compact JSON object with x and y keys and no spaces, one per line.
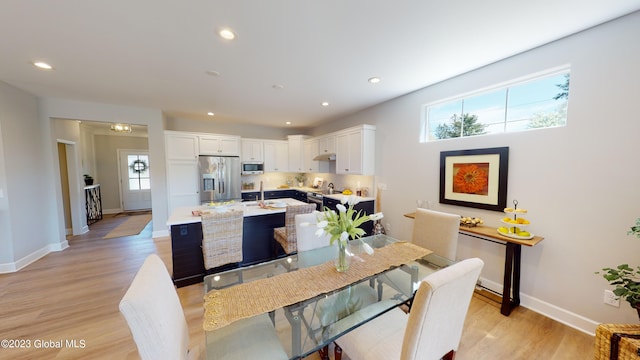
{"x":111,"y":211}
{"x":31,"y":258}
{"x":160,"y":233}
{"x":551,"y":311}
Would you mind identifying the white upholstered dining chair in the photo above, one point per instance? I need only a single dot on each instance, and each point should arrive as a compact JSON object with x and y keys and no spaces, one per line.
{"x":433,"y":230}
{"x":437,"y":231}
{"x":433,"y":328}
{"x":153,"y":312}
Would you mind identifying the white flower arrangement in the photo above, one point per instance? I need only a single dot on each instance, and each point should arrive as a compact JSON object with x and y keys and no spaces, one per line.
{"x":345,"y":223}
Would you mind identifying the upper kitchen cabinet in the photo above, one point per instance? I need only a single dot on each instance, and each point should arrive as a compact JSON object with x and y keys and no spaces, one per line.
{"x":296,"y":149}
{"x":310,"y":151}
{"x":355,"y":150}
{"x":252,"y":150}
{"x":276,"y":156}
{"x":181,"y":146}
{"x":327,"y":145}
{"x":211,"y":144}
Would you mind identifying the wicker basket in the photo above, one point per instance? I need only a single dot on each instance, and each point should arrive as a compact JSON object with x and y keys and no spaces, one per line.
{"x":625,"y":339}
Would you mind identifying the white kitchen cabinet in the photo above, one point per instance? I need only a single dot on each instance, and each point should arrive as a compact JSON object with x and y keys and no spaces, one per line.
{"x":355,"y":150}
{"x":182,"y":183}
{"x":276,"y":156}
{"x":252,"y":150}
{"x":181,"y":146}
{"x":310,"y":151}
{"x":182,"y":169}
{"x":296,"y":156}
{"x":327,"y":144}
{"x":219,"y":145}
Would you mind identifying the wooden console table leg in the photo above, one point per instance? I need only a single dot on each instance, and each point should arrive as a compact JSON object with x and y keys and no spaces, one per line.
{"x":511,"y":278}
{"x":516,"y":275}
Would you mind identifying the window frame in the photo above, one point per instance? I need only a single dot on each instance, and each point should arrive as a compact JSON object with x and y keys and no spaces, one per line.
{"x":506,"y":85}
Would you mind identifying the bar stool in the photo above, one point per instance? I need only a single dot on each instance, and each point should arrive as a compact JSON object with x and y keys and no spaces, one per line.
{"x":286,"y":236}
{"x":222,"y":238}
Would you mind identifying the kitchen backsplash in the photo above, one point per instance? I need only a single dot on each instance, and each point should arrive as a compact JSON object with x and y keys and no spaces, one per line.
{"x":340,"y":182}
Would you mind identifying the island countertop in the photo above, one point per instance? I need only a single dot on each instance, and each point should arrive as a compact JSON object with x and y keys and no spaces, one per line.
{"x":183,"y":215}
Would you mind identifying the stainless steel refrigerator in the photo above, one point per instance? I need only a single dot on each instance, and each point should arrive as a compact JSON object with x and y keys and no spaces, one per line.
{"x":219,"y":178}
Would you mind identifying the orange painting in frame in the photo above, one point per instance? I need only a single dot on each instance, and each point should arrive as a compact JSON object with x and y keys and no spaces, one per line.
{"x":475,"y":178}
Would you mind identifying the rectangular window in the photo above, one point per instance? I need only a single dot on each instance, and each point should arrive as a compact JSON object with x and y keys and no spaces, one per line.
{"x":539,"y":102}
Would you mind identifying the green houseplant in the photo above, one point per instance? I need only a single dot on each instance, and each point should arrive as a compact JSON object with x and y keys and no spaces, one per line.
{"x":626,"y":278}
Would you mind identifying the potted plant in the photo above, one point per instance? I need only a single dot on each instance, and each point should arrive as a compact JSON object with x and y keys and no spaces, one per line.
{"x":88,"y":180}
{"x":626,"y":278}
{"x":301,"y":178}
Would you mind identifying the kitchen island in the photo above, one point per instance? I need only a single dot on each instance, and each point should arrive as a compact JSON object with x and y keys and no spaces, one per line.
{"x":258,"y":244}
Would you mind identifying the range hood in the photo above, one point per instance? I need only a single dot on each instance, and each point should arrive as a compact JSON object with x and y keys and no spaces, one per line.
{"x":325,"y":157}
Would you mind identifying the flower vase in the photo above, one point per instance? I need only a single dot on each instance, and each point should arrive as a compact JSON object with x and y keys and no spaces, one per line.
{"x":343,"y":260}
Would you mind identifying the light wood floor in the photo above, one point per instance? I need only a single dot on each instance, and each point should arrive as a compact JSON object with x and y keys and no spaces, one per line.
{"x":74,"y":295}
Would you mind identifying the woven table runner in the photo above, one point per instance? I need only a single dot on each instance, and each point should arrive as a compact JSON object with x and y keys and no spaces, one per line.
{"x":222,"y":307}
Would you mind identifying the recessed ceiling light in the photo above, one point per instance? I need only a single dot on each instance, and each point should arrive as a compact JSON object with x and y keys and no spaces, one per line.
{"x":210,"y":113}
{"x":325,"y":103}
{"x":42,"y":65}
{"x":227,"y":34}
{"x":288,"y":122}
{"x":212,"y":73}
{"x":277,"y":86}
{"x":374,"y":80}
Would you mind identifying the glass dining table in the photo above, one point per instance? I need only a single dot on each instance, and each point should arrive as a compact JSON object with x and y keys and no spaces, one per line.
{"x":307,"y":313}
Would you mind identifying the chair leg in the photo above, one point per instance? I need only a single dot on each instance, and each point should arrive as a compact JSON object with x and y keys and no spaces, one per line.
{"x":451,"y":355}
{"x":337,"y":352}
{"x":324,"y":353}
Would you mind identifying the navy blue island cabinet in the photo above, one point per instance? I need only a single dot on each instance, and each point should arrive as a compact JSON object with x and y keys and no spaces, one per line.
{"x":367,"y":207}
{"x":258,"y":245}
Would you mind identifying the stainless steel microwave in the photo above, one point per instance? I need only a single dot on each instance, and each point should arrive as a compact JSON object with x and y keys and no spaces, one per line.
{"x":250,"y":167}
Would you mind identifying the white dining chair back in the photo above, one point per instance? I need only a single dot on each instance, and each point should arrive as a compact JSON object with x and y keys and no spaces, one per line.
{"x":153,"y":312}
{"x":436,"y":320}
{"x":306,"y":227}
{"x":286,"y":235}
{"x":437,"y":231}
{"x":433,"y":328}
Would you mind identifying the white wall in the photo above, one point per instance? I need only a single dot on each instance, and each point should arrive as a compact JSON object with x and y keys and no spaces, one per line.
{"x":581,"y":183}
{"x":222,"y":126}
{"x":27,"y":231}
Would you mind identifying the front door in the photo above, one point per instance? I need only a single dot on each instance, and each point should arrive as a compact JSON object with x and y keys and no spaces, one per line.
{"x":135,"y":180}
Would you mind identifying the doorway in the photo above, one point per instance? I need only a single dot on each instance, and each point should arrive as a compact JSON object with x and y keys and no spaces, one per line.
{"x":135,"y":179}
{"x":64,"y":182}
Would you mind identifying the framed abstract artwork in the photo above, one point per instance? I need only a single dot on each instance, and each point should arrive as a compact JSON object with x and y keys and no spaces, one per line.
{"x":475,"y":178}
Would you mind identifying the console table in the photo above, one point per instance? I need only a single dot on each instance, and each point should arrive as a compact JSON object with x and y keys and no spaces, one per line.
{"x":513,"y":255}
{"x":93,"y":203}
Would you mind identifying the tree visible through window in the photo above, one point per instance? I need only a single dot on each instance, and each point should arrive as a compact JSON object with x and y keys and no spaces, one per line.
{"x":536,"y":103}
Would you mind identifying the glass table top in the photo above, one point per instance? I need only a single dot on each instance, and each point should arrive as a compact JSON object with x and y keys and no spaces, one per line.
{"x":307,"y":326}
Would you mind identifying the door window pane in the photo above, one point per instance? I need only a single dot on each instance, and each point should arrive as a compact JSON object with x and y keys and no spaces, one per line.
{"x":138,"y":172}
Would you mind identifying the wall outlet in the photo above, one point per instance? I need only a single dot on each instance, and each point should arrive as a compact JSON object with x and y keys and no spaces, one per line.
{"x":611,"y":299}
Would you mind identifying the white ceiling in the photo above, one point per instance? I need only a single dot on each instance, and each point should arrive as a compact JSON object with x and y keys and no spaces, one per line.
{"x":156,"y":53}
